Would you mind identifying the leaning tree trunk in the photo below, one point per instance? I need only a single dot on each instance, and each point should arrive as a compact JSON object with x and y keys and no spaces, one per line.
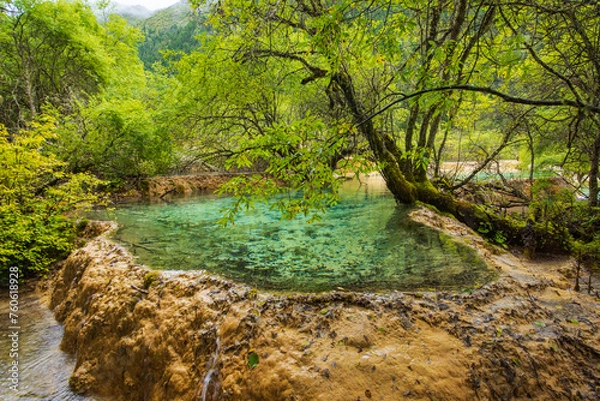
{"x":385,"y":151}
{"x":408,"y":191}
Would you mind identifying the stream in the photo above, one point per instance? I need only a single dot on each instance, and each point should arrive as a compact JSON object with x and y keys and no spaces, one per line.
{"x":44,"y":369}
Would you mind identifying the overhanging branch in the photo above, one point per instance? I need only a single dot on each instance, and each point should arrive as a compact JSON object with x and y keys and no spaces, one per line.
{"x":505,"y":97}
{"x":316,"y":72}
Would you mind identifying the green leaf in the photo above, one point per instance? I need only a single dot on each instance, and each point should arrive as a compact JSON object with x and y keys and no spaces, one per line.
{"x":252,"y":360}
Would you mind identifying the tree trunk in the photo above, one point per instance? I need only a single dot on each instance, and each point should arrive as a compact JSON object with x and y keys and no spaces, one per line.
{"x":593,"y":176}
{"x":384,"y":149}
{"x":406,"y":164}
{"x":503,"y":230}
{"x":531,"y":162}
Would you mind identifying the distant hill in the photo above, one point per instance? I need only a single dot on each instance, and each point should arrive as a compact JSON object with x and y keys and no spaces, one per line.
{"x":172,"y":28}
{"x":134,"y":15}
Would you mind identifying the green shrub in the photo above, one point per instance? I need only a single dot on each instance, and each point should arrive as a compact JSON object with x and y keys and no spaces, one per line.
{"x":35,"y":195}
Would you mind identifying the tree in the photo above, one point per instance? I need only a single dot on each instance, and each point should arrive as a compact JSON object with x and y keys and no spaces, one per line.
{"x":173,"y":29}
{"x":561,"y":39}
{"x":358,"y":56}
{"x":112,"y":133}
{"x":392,"y":72}
{"x":35,"y":194}
{"x":51,"y":54}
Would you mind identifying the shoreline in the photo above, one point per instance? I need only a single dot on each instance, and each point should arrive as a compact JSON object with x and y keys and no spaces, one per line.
{"x":141,"y":334}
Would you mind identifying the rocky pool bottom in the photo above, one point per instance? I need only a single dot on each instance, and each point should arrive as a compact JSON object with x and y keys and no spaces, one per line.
{"x":364,"y":243}
{"x":145,"y":335}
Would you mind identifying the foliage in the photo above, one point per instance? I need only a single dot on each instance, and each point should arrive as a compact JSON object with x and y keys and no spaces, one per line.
{"x":300,"y":93}
{"x":351,"y":58}
{"x":61,"y":61}
{"x":173,"y":29}
{"x":555,"y":209}
{"x":114,"y":138}
{"x":550,"y":199}
{"x":397,"y":73}
{"x":35,"y":195}
{"x":52,"y":53}
{"x":564,"y":59}
{"x":304,"y":151}
{"x":589,"y":254}
{"x":113,"y":133}
{"x":253,"y":360}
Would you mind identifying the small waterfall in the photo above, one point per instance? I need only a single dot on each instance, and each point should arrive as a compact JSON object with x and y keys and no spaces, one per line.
{"x":211,"y":388}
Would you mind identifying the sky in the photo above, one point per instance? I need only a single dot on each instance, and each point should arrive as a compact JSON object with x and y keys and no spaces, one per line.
{"x":149,"y":4}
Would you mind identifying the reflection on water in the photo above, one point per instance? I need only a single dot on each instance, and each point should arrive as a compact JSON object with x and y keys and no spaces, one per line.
{"x":44,"y":370}
{"x":363,"y":243}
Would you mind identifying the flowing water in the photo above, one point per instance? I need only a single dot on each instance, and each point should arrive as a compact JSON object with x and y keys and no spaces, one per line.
{"x":44,"y":369}
{"x":364,"y":243}
{"x":211,"y":387}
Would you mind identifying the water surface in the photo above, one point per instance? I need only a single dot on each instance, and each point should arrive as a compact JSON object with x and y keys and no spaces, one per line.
{"x":44,"y":370}
{"x":364,"y":243}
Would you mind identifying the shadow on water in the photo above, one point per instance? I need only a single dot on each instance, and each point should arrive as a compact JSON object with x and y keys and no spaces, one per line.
{"x":44,"y":370}
{"x":364,"y":243}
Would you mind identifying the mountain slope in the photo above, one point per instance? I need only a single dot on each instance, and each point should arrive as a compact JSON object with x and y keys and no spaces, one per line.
{"x":172,"y":28}
{"x":134,"y":15}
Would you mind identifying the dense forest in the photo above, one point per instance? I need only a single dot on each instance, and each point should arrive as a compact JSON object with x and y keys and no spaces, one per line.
{"x":168,"y":32}
{"x":298,"y":94}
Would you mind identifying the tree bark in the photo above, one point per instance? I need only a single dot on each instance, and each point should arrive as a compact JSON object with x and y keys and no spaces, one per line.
{"x":384,"y":149}
{"x":593,"y":176}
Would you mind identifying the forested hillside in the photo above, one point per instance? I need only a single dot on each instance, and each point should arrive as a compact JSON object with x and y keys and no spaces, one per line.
{"x":299,"y":93}
{"x":170,"y":31}
{"x":167,"y":33}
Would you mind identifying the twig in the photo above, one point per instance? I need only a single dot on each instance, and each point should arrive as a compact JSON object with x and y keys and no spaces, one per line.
{"x":168,"y":192}
{"x":135,"y":287}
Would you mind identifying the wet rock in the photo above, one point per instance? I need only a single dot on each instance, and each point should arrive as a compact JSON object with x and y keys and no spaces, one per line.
{"x":406,"y":321}
{"x":160,"y":343}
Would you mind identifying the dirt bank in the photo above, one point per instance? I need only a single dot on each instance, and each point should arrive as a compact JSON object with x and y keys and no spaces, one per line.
{"x":142,"y":335}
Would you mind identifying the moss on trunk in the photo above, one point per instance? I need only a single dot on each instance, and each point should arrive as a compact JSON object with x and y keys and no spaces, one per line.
{"x":502,"y":230}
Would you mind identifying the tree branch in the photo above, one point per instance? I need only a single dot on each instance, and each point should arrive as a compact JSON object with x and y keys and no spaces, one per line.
{"x":541,"y":62}
{"x":316,"y":71}
{"x":504,"y":96}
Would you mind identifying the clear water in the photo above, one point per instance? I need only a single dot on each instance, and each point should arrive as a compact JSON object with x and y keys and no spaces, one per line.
{"x":44,"y":370}
{"x":364,"y":243}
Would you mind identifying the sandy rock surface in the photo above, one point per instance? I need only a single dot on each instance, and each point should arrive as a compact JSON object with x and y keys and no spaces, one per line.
{"x":148,"y":335}
{"x":157,"y":187}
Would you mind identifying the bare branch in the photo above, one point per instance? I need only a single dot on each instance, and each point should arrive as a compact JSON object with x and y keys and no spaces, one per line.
{"x":471,"y":88}
{"x":541,"y":62}
{"x":317,"y":72}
